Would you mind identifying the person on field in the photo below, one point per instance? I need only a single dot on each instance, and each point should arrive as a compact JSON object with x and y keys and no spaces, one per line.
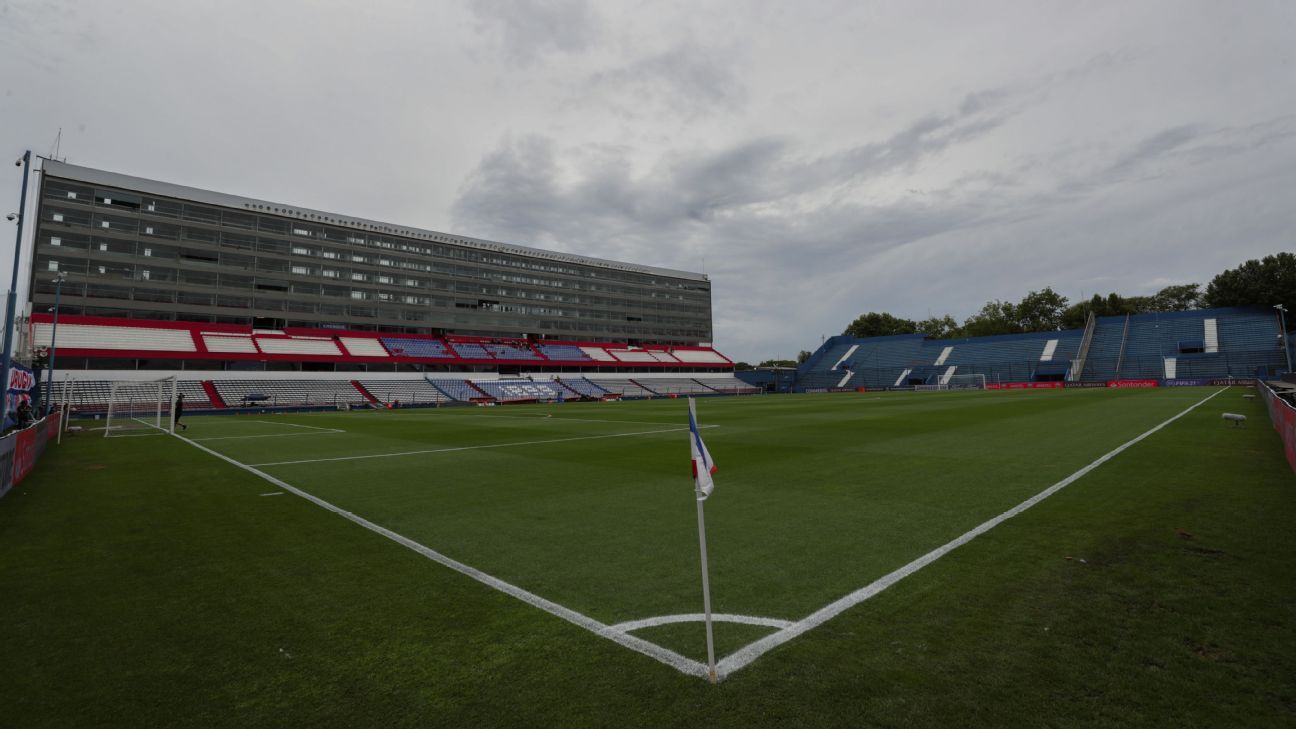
{"x":179,"y":411}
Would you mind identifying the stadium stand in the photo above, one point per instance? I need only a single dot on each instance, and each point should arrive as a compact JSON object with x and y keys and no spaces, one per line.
{"x":729,"y":385}
{"x":520,"y":390}
{"x":298,"y":346}
{"x":417,"y":348}
{"x":598,"y":354}
{"x":289,"y":393}
{"x":699,"y":355}
{"x":631,"y":355}
{"x":93,"y":336}
{"x":91,"y":396}
{"x":675,"y":386}
{"x":363,"y":347}
{"x":406,"y":392}
{"x":470,"y":350}
{"x":96,"y":338}
{"x":1238,"y":342}
{"x":229,"y":343}
{"x":621,"y":386}
{"x":583,"y":387}
{"x":510,"y":352}
{"x":458,"y":390}
{"x":563,"y":353}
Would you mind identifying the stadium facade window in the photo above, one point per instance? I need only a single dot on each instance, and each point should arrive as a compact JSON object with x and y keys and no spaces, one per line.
{"x":672,"y":309}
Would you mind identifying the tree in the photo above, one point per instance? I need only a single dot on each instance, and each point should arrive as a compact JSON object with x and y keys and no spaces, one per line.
{"x":1266,"y":282}
{"x":1177,"y":298}
{"x":743,"y":366}
{"x":996,"y":317}
{"x":940,"y":327}
{"x":1041,"y":311}
{"x":777,"y":363}
{"x":803,"y":356}
{"x":874,"y":324}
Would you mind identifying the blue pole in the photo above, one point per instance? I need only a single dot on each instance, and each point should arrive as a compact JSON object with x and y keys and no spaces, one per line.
{"x":49,"y":386}
{"x":12,"y":299}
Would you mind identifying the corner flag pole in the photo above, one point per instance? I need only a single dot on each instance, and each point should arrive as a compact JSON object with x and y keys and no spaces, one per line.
{"x":703,"y":467}
{"x":706,"y":592}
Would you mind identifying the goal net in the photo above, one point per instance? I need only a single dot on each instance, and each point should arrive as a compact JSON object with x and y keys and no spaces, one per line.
{"x":140,"y":408}
{"x":966,"y":382}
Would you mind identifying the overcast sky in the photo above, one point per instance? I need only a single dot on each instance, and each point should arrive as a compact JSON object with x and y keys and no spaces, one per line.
{"x":817,"y":159}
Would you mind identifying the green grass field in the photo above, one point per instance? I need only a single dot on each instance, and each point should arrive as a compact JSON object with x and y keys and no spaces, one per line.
{"x":147,"y":582}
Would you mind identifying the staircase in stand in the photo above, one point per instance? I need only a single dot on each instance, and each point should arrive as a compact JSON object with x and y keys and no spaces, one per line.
{"x":367,"y":395}
{"x":216,"y":400}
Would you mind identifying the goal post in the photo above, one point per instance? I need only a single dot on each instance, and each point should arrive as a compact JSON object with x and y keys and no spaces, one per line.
{"x":967,"y":382}
{"x":140,"y":405}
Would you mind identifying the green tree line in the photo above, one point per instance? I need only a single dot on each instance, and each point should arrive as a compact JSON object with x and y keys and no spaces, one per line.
{"x":1265,"y":282}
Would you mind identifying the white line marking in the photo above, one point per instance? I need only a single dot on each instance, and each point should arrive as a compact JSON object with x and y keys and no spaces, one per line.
{"x":272,"y":493}
{"x":633,"y":625}
{"x":744,"y":656}
{"x":294,"y":425}
{"x":471,"y":448}
{"x":639,"y":645}
{"x":329,"y":431}
{"x":536,"y":416}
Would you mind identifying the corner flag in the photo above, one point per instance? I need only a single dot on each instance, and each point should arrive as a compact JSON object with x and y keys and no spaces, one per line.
{"x":703,"y":466}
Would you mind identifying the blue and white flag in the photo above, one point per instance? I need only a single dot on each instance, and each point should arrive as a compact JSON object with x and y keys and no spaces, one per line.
{"x":703,"y":466}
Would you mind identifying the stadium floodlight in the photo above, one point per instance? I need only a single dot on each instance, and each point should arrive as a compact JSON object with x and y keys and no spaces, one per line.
{"x":12,"y":299}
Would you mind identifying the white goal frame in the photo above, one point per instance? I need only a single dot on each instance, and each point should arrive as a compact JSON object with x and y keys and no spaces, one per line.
{"x":966,"y":382}
{"x":129,"y":399}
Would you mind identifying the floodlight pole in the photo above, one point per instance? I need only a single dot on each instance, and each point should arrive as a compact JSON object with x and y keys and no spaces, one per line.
{"x":12,"y":299}
{"x":49,"y":386}
{"x":1282,"y":319}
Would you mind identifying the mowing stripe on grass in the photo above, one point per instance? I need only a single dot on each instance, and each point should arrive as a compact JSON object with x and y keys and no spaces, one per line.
{"x":475,"y":447}
{"x":639,"y":645}
{"x":744,"y":656}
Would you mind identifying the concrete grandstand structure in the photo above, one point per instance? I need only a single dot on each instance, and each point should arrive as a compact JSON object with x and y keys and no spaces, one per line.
{"x":134,"y":248}
{"x":1209,"y":343}
{"x":253,"y":304}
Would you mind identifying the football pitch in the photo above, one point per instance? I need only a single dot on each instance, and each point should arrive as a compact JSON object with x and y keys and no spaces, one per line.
{"x":890,"y":559}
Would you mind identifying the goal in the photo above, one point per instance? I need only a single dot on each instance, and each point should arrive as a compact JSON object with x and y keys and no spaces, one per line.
{"x":955,"y":382}
{"x":966,"y":382}
{"x":137,"y":406}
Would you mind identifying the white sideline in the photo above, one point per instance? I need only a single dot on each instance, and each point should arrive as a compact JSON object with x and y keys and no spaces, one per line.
{"x":330,"y":431}
{"x":475,"y":447}
{"x":639,"y":645}
{"x":633,"y":625}
{"x":744,"y":656}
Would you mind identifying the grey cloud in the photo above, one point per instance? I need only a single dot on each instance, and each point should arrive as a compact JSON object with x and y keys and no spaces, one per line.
{"x":530,"y":29}
{"x":688,"y":80}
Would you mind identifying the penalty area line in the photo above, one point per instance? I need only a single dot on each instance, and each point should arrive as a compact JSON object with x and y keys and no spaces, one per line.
{"x":475,"y":447}
{"x":638,"y":645}
{"x":744,"y":656}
